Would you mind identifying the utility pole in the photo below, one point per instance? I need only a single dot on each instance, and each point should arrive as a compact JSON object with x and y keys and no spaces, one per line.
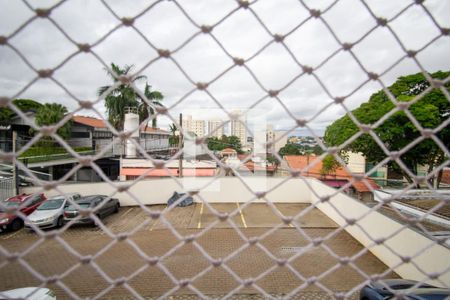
{"x":14,"y":171}
{"x":180,"y":146}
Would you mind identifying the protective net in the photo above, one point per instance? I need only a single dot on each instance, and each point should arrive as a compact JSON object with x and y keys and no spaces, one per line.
{"x":284,"y":234}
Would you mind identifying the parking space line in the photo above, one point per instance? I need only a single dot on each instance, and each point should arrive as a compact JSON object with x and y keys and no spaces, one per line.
{"x":12,"y":234}
{"x":200,"y":217}
{"x":242,"y":215}
{"x":153,"y":225}
{"x":125,"y":213}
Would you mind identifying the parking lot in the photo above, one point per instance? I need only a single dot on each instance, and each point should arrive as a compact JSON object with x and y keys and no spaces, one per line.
{"x":156,"y":237}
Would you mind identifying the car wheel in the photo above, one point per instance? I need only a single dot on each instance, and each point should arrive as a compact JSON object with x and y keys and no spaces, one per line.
{"x":60,"y":222}
{"x":16,"y":225}
{"x":116,"y":209}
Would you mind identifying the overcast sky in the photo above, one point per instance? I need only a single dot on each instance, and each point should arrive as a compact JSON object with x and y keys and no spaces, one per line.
{"x":241,"y":35}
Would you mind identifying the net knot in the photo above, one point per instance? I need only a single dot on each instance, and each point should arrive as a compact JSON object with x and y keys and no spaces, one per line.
{"x":127,"y":21}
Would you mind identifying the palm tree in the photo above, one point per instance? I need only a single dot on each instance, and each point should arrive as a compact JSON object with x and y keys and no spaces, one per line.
{"x":145,"y":110}
{"x":173,"y":140}
{"x":120,"y":97}
{"x":52,"y":113}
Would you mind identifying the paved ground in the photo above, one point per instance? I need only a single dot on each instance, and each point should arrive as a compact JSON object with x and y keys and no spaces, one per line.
{"x":153,"y":238}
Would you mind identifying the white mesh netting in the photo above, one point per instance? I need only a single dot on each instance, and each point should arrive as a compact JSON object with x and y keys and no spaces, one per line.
{"x":249,"y":244}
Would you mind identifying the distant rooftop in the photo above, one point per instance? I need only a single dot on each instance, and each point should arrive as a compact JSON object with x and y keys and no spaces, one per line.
{"x":90,"y":121}
{"x":145,"y":163}
{"x":150,"y":129}
{"x":300,"y":162}
{"x":100,"y":123}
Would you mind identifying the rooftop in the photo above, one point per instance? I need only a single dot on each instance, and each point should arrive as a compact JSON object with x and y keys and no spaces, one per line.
{"x":188,"y":164}
{"x":89,"y":121}
{"x":300,"y":162}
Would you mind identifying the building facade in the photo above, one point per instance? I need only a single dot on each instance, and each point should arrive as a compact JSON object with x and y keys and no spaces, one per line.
{"x":238,"y":127}
{"x":276,"y":139}
{"x":215,"y":129}
{"x":194,"y":126}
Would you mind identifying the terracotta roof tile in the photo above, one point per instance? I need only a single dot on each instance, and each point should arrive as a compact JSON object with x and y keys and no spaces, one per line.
{"x":299,"y":162}
{"x":89,"y":121}
{"x":153,"y":129}
{"x":446,"y":176}
{"x":228,"y":150}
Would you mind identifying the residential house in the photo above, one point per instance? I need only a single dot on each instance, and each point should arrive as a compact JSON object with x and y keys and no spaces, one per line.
{"x":311,"y":166}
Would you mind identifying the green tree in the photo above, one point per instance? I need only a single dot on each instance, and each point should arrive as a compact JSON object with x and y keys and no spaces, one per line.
{"x":173,"y":139}
{"x":123,"y":95}
{"x":398,"y":130}
{"x":216,"y":144}
{"x":289,"y":149}
{"x":145,"y":110}
{"x":52,"y":113}
{"x":25,"y":105}
{"x":273,"y":160}
{"x":329,"y":165}
{"x":235,"y":143}
{"x":317,"y":150}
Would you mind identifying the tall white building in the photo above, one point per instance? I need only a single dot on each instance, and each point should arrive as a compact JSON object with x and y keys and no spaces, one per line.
{"x":214,"y":129}
{"x":238,"y":127}
{"x":195,"y":126}
{"x":277,"y":138}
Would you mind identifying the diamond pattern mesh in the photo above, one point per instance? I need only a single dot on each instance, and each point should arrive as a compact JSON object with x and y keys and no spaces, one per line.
{"x":253,"y":245}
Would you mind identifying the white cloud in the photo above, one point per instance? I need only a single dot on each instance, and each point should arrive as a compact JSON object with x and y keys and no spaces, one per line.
{"x":241,"y":35}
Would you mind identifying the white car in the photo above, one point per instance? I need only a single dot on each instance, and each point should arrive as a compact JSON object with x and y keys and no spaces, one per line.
{"x":51,"y":212}
{"x":30,"y":293}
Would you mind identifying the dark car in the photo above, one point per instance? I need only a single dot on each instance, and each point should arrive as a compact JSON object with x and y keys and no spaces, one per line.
{"x":387,"y":289}
{"x":101,"y":204}
{"x":25,"y":203}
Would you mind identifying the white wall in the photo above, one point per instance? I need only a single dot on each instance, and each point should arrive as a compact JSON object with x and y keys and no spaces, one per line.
{"x":356,"y":162}
{"x":228,"y":189}
{"x":405,"y":243}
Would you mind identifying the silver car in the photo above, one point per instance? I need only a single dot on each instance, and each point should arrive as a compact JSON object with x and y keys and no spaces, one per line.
{"x":51,"y":212}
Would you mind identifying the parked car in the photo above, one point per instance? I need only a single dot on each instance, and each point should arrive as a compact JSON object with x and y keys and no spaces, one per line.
{"x":51,"y":212}
{"x":111,"y":205}
{"x":383,"y":289}
{"x":27,"y":204}
{"x":185,"y":202}
{"x":30,"y":293}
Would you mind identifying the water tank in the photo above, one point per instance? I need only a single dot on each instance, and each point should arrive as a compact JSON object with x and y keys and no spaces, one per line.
{"x":131,"y":124}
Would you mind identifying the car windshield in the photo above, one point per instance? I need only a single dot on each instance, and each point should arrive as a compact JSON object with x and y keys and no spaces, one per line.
{"x":82,"y":205}
{"x":51,"y":204}
{"x":8,"y":204}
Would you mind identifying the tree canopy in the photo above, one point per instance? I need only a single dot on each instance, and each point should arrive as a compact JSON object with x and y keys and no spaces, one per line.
{"x":398,"y":131}
{"x":25,"y":105}
{"x":216,"y":144}
{"x":173,"y":139}
{"x":289,"y":149}
{"x":124,"y":96}
{"x":52,"y":113}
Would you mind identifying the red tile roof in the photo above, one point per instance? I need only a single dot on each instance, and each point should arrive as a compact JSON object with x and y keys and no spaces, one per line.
{"x":300,"y":162}
{"x":89,"y":121}
{"x":446,"y":176}
{"x":151,"y":129}
{"x":248,"y":164}
{"x":228,"y":150}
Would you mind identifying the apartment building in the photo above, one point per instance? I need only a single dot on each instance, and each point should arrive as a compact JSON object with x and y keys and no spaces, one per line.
{"x":195,"y":126}
{"x":215,"y":129}
{"x":238,"y":127}
{"x":278,"y":139}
